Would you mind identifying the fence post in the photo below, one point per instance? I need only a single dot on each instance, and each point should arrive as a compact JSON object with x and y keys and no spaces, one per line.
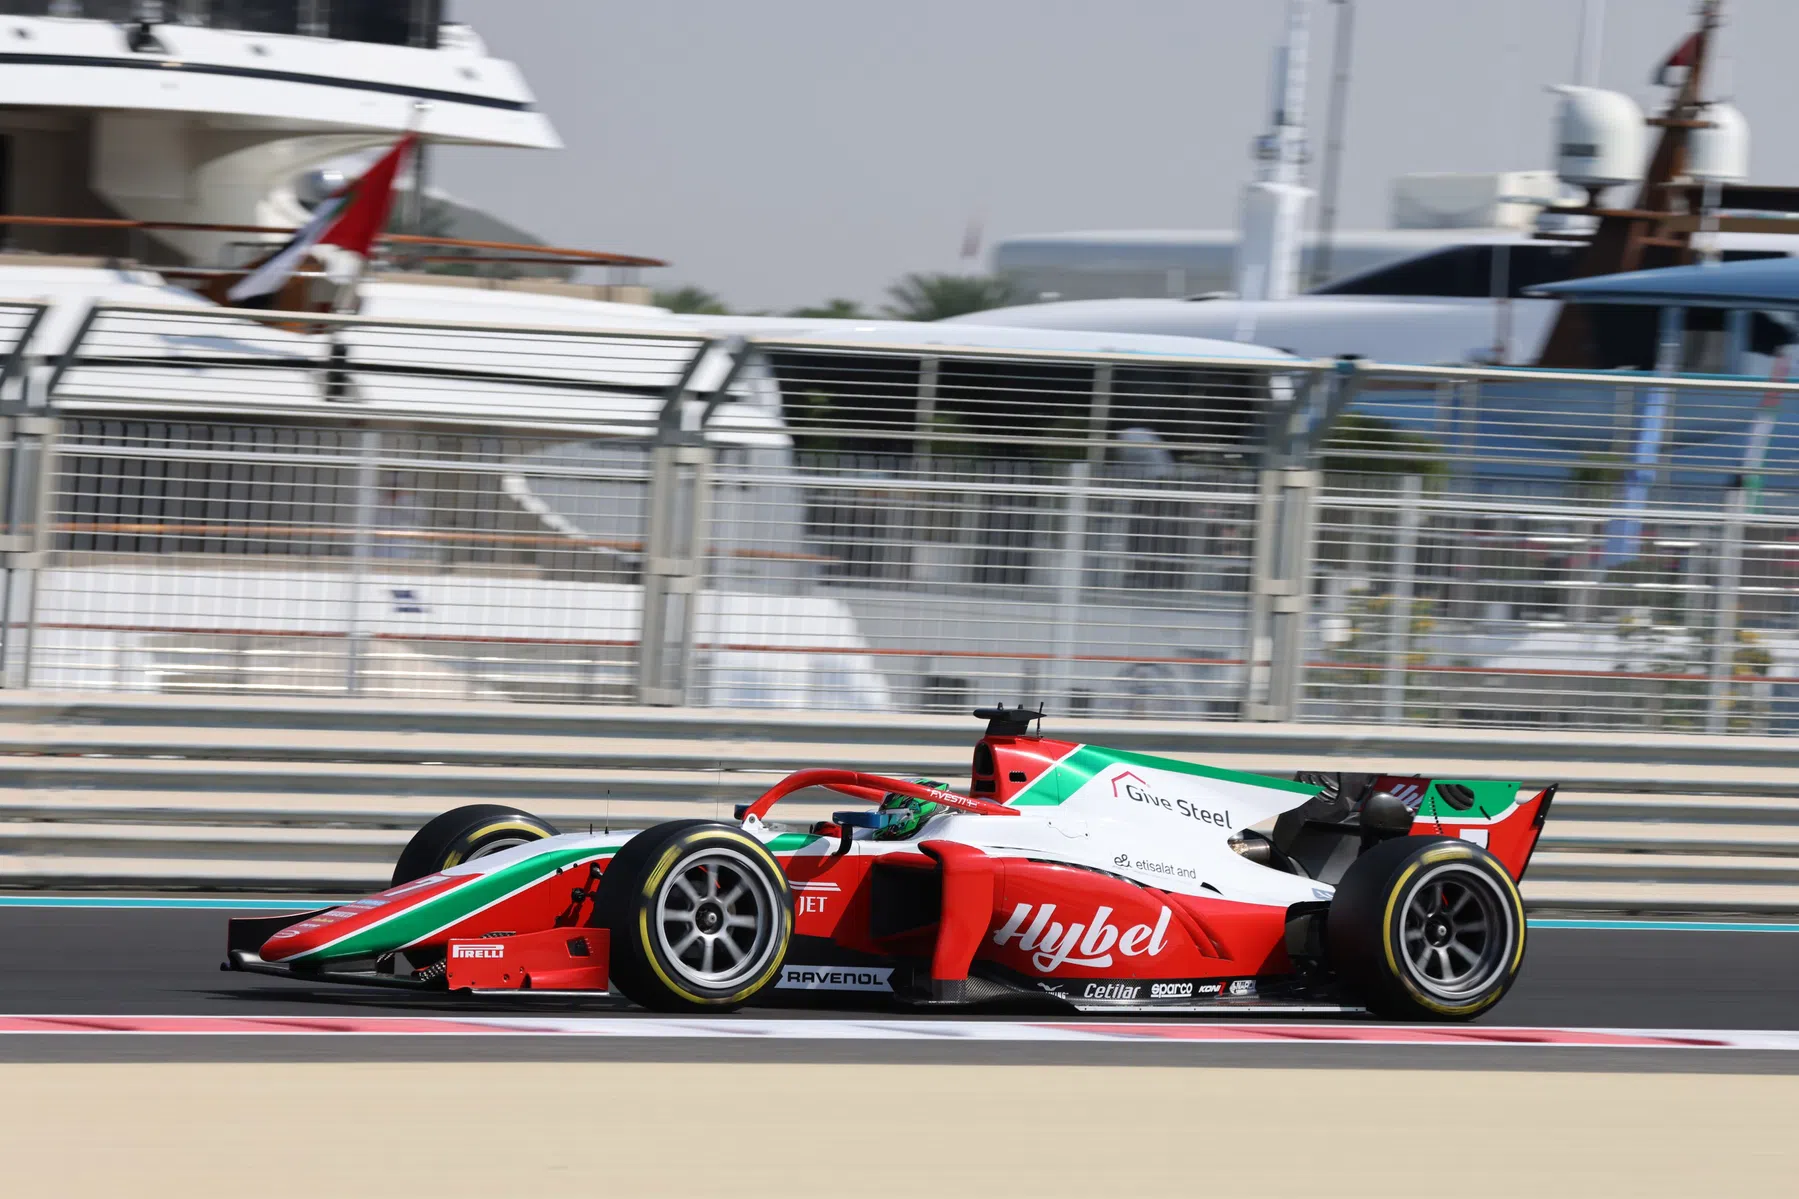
{"x":361,"y":549}
{"x":1074,"y":539}
{"x":16,"y":542}
{"x":1399,"y":628}
{"x":926,"y":416}
{"x":1282,"y":588}
{"x":1281,"y":573}
{"x":1724,"y":636}
{"x":674,"y":549}
{"x":31,"y":532}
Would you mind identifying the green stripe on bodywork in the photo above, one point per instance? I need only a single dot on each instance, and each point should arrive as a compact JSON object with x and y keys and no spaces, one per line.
{"x":1077,"y":769}
{"x":453,"y":905}
{"x":788,"y":842}
{"x":1056,"y":784}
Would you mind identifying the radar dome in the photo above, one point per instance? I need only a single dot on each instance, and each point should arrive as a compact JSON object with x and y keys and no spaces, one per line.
{"x":315,"y":185}
{"x":1720,"y":154}
{"x":1599,"y":138}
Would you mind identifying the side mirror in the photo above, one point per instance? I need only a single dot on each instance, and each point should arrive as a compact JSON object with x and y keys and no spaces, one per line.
{"x":1386,"y":813}
{"x":861,"y":818}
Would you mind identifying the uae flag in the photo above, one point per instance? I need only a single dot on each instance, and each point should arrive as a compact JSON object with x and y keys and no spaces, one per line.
{"x":351,"y":218}
{"x":1682,"y":60}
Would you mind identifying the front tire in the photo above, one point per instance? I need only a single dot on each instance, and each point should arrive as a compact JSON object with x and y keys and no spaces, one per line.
{"x":464,"y":834}
{"x":1427,"y":928}
{"x":700,"y":916}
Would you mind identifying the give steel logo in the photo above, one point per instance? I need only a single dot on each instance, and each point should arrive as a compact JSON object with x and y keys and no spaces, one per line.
{"x":1130,"y":785}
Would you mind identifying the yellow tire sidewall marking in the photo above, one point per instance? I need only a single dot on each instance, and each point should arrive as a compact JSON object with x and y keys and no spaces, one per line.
{"x":1390,"y":933}
{"x":454,"y":858}
{"x":676,"y":850}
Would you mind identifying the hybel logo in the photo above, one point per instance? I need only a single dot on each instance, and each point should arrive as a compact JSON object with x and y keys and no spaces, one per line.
{"x":477,"y":951}
{"x":1053,"y":946}
{"x":1130,"y":785}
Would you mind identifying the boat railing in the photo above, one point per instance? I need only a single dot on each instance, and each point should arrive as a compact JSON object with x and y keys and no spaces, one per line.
{"x":401,"y":250}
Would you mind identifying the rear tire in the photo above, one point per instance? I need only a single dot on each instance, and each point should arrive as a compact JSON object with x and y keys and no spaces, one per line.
{"x":464,"y":834}
{"x":1427,"y":928}
{"x":700,"y":916}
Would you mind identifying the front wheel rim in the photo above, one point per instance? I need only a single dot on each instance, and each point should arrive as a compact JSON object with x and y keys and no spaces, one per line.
{"x":499,"y":845}
{"x":715,"y":920}
{"x":1456,"y":933}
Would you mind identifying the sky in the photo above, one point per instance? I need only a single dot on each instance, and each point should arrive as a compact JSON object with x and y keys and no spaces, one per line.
{"x":782,"y":152}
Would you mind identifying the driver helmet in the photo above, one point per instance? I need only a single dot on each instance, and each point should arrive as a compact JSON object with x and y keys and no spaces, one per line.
{"x":915,"y":812}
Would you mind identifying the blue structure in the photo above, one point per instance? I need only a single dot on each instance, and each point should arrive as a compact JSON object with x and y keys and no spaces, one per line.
{"x":1761,"y":284}
{"x":1740,"y":289}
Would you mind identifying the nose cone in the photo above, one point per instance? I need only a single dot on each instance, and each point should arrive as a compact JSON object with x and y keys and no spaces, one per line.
{"x":373,"y":925}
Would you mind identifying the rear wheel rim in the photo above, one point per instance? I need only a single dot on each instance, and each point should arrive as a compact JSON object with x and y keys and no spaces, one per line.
{"x":715,"y":920}
{"x":1456,"y":934}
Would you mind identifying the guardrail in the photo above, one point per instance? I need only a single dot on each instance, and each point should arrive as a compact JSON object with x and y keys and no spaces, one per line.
{"x":318,"y":796}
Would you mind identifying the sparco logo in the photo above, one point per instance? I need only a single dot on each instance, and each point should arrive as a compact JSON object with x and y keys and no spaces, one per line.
{"x":1091,"y":944}
{"x":477,"y":951}
{"x":1130,"y":786}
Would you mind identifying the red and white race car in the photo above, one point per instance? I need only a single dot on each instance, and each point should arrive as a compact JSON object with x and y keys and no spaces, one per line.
{"x":1100,"y":879}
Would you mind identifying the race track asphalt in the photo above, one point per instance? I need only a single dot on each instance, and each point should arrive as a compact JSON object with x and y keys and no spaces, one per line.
{"x":56,"y":961}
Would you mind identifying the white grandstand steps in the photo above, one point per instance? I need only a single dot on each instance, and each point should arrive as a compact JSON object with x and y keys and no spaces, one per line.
{"x":55,"y":872}
{"x":1652,"y":898}
{"x":261,"y":795}
{"x":1684,"y":838}
{"x":1665,"y":867}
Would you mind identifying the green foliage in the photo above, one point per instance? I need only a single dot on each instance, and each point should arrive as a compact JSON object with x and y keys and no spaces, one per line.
{"x":692,"y":300}
{"x":1597,"y":475}
{"x":1371,"y":445}
{"x":926,"y":297}
{"x":838,"y":309}
{"x":1356,"y":673}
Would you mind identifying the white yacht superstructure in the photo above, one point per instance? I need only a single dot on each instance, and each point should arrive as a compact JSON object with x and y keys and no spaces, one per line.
{"x":212,"y":112}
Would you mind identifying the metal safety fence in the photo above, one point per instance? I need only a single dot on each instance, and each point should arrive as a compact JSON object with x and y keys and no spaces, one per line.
{"x":217,"y":501}
{"x":1548,"y":550}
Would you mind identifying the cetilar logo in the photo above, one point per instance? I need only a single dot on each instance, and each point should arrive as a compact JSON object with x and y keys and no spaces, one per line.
{"x":1053,"y":946}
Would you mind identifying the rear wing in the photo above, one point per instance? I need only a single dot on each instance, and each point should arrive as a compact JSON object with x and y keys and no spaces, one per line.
{"x":1493,"y":815}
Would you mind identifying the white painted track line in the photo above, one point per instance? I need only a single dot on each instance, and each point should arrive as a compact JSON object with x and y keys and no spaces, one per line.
{"x":1063,"y":1031}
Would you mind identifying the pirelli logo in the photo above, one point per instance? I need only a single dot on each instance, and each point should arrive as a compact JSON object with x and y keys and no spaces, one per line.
{"x":477,"y":951}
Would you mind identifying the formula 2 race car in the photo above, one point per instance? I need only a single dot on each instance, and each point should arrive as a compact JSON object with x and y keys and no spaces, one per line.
{"x":1102,"y":880}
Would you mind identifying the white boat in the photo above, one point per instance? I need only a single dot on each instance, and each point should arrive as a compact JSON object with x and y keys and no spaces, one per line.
{"x":151,"y":150}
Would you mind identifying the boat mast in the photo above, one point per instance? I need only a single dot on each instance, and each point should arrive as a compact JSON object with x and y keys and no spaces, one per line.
{"x":1274,"y":204}
{"x":1658,"y":229}
{"x":1333,"y":141}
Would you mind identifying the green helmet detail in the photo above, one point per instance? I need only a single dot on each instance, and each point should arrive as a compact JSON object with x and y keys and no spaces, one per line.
{"x":916,"y":812}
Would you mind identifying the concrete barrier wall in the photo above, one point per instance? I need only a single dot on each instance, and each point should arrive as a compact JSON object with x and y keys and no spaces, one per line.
{"x":319,"y":796}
